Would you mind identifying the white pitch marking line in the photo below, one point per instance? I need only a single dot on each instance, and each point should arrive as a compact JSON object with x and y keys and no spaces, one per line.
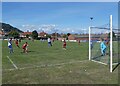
{"x":12,"y":63}
{"x":115,"y":63}
{"x":49,"y":65}
{"x":99,"y":62}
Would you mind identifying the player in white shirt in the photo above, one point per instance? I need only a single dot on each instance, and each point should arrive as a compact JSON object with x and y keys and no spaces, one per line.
{"x":49,"y":42}
{"x":10,"y":45}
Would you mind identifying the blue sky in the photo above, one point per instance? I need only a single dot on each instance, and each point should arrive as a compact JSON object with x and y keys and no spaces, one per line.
{"x":73,"y":17}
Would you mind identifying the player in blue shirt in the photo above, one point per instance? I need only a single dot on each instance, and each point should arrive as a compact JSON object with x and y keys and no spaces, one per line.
{"x":103,"y":47}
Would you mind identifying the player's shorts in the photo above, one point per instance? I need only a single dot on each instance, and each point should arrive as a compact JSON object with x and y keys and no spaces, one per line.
{"x":104,"y":50}
{"x":10,"y":46}
{"x":49,"y":42}
{"x":64,"y":44}
{"x":24,"y":48}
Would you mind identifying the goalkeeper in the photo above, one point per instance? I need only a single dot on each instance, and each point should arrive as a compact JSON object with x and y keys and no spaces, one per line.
{"x":103,"y":47}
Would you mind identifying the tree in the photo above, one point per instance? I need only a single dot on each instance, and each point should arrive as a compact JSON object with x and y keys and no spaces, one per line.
{"x":64,"y":36}
{"x":68,"y":34}
{"x":48,"y":36}
{"x":34,"y":34}
{"x":55,"y":35}
{"x":113,"y":35}
{"x":27,"y":36}
{"x":14,"y":34}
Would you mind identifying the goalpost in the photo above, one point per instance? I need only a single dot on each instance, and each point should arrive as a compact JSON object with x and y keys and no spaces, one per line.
{"x":95,"y":33}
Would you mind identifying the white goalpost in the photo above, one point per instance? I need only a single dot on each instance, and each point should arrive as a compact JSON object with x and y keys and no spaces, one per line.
{"x":95,"y":33}
{"x":111,"y":43}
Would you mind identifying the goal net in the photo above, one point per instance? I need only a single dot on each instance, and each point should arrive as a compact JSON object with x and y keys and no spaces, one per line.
{"x":103,"y":45}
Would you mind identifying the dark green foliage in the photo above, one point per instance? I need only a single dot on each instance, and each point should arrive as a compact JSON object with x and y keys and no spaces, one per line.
{"x":68,"y":34}
{"x":27,"y":36}
{"x":48,"y":36}
{"x":113,"y":35}
{"x":56,"y":35}
{"x":34,"y":34}
{"x":64,"y":36}
{"x":14,"y":34}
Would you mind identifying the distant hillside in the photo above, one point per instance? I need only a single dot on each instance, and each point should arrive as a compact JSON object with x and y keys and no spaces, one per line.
{"x":7,"y":28}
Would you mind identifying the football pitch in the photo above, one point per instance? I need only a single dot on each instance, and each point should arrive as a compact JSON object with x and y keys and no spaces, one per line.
{"x":53,"y":65}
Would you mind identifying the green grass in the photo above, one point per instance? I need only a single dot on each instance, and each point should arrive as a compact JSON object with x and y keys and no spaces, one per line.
{"x":84,"y":72}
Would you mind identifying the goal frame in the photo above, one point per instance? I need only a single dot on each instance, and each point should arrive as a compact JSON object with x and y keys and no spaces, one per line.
{"x":111,"y":34}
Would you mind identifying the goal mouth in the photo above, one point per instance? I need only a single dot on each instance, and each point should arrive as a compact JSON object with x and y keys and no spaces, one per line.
{"x":103,"y":45}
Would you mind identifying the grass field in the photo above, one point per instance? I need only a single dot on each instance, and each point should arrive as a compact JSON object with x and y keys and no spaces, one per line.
{"x":53,"y":65}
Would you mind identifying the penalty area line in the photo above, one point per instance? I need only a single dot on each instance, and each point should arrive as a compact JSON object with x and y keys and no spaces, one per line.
{"x":47,"y":65}
{"x":12,"y":62}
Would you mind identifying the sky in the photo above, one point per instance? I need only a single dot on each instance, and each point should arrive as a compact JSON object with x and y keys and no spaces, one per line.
{"x":61,"y":17}
{"x":60,"y":0}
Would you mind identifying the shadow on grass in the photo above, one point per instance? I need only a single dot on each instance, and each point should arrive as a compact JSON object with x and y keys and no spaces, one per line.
{"x":29,"y":52}
{"x":116,"y":66}
{"x":116,"y":55}
{"x":98,"y":58}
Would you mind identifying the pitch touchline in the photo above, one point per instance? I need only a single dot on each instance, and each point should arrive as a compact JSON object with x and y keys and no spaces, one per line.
{"x":12,"y":63}
{"x":49,"y":65}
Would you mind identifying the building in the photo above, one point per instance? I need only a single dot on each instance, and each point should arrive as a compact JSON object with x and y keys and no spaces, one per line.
{"x":71,"y":37}
{"x":42,"y":34}
{"x":85,"y":37}
{"x":82,"y":37}
{"x":23,"y":35}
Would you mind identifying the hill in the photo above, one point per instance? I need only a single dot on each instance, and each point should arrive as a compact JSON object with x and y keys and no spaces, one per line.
{"x":7,"y":28}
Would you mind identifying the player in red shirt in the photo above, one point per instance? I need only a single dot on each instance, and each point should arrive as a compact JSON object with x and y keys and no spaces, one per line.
{"x":106,"y":41}
{"x":64,"y":44}
{"x":78,"y":42}
{"x":24,"y":47}
{"x":16,"y":42}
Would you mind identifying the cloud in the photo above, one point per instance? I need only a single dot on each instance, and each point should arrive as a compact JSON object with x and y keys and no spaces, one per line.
{"x":49,"y":28}
{"x":29,"y":27}
{"x":69,"y":30}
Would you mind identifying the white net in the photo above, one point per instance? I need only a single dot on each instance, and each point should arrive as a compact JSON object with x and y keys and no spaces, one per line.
{"x":101,"y":36}
{"x":115,"y":44}
{"x":96,"y":52}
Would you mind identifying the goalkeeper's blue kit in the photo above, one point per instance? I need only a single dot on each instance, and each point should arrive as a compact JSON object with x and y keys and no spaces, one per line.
{"x":103,"y":48}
